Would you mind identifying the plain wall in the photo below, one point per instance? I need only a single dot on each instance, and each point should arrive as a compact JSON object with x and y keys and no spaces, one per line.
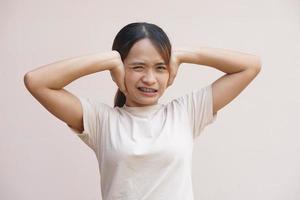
{"x":250,"y":152}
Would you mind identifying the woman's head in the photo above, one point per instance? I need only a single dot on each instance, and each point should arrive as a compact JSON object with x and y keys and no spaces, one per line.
{"x":145,"y":50}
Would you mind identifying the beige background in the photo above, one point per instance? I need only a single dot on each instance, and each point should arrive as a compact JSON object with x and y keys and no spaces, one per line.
{"x":250,"y":152}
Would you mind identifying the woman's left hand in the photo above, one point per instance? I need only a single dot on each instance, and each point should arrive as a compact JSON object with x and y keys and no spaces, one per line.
{"x":173,"y":66}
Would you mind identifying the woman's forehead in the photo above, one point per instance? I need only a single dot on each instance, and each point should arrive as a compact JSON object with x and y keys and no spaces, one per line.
{"x":144,"y":51}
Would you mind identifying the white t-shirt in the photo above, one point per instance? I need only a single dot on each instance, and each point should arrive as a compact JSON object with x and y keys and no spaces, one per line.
{"x":145,"y":153}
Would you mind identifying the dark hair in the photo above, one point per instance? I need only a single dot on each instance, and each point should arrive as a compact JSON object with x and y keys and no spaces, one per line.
{"x":132,"y":33}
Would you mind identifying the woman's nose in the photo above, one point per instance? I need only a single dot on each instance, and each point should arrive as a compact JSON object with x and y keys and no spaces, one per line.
{"x":149,"y":78}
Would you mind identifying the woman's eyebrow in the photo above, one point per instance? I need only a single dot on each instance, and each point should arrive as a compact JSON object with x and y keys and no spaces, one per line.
{"x":142,"y":63}
{"x":160,"y":63}
{"x":137,"y":63}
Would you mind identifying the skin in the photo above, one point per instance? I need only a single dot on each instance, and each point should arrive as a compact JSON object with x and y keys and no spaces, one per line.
{"x":47,"y":83}
{"x":144,"y":67}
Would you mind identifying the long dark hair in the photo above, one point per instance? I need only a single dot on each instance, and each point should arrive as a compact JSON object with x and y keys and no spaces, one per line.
{"x":132,"y":33}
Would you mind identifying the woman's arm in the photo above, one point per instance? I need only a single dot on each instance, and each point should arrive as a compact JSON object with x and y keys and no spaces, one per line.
{"x":59,"y":74}
{"x":240,"y":69}
{"x":46,"y":83}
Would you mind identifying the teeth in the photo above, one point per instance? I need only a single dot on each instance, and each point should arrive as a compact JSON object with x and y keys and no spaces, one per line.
{"x":147,"y":89}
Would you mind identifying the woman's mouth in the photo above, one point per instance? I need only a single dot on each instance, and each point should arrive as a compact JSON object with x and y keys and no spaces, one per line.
{"x":148,"y":91}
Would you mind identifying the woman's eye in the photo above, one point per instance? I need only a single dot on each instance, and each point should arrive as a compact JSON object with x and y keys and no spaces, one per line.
{"x":138,"y":67}
{"x":162,"y":68}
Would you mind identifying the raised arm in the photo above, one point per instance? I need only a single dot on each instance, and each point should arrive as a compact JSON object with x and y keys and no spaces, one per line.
{"x":240,"y":69}
{"x":46,"y":83}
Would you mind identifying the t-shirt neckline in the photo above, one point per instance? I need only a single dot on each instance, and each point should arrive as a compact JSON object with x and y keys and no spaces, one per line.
{"x":143,"y":111}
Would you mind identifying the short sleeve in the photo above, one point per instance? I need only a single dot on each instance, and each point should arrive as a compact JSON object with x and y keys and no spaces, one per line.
{"x":199,"y":107}
{"x":94,"y":116}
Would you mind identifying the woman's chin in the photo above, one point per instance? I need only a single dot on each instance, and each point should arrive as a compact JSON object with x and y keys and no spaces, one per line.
{"x":147,"y":101}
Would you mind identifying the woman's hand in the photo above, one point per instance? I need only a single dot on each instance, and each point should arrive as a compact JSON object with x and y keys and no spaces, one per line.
{"x":173,"y":66}
{"x":118,"y":74}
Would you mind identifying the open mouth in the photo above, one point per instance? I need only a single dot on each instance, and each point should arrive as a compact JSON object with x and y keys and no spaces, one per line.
{"x":148,"y":91}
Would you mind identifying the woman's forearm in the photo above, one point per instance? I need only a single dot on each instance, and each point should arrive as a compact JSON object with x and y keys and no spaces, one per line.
{"x":227,"y":61}
{"x":59,"y":74}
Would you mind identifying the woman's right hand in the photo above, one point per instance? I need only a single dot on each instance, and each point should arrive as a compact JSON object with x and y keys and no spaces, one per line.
{"x":173,"y":66}
{"x":118,"y":74}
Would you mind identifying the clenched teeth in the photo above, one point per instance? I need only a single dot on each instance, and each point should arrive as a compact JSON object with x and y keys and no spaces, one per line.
{"x":147,"y":89}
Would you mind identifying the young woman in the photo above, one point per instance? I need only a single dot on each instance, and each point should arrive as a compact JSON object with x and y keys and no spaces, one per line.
{"x":144,"y":148}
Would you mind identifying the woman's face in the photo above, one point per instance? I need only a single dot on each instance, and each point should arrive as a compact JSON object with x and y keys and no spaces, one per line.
{"x":145,"y":71}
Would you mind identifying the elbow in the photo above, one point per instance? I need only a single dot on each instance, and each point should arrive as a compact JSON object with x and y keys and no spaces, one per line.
{"x":259,"y":63}
{"x":256,"y":66}
{"x":26,"y":79}
{"x":29,"y":82}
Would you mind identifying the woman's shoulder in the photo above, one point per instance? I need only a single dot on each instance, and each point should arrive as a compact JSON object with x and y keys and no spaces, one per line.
{"x":190,"y":96}
{"x":94,"y":104}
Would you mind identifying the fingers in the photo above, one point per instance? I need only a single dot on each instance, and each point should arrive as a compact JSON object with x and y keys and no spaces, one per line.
{"x":173,"y":67}
{"x":121,"y":83}
{"x":169,"y":82}
{"x":123,"y":89}
{"x":118,"y":76}
{"x":123,"y":86}
{"x":172,"y":74}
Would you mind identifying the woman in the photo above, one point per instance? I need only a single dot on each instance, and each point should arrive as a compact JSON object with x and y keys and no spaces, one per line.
{"x":144,"y":148}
